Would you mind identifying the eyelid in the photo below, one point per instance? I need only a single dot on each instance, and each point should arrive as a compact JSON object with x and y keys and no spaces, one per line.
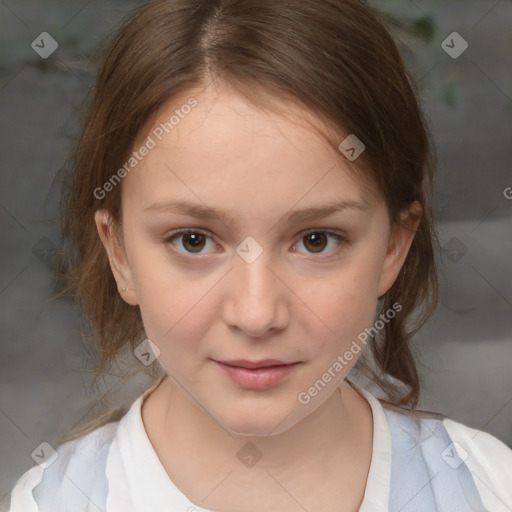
{"x":328,"y":231}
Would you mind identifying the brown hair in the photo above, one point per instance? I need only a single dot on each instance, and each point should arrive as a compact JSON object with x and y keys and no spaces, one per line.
{"x":336,"y":59}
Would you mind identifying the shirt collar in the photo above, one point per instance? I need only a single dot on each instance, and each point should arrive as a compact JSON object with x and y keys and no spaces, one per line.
{"x":376,"y":494}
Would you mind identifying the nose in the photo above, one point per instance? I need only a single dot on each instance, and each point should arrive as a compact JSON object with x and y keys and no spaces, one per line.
{"x":256,"y":297}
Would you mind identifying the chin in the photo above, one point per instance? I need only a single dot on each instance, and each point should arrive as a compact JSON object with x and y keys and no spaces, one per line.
{"x":262,"y":429}
{"x":258,"y":423}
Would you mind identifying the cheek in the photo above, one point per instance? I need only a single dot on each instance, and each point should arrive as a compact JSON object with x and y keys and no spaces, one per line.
{"x":344,"y":304}
{"x":351,"y":294}
{"x":176,"y":325}
{"x":176,"y":312}
{"x":173,"y":304}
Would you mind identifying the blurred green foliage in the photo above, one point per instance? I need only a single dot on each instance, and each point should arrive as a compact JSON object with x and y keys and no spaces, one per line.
{"x":423,"y":27}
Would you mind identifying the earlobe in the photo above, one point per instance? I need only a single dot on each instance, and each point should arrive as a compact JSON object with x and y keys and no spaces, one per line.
{"x":116,"y":256}
{"x":400,"y":242}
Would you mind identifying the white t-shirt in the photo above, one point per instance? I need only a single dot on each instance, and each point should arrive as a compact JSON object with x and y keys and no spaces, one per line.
{"x":116,"y":469}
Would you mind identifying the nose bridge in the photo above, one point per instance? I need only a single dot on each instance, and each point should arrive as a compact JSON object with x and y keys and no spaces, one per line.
{"x":255,"y":289}
{"x":253,"y":268}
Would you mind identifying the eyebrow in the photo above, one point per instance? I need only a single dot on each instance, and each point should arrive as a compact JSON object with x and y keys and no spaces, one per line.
{"x":205,"y":212}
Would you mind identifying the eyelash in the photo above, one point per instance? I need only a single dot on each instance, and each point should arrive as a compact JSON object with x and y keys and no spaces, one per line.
{"x":342,"y":240}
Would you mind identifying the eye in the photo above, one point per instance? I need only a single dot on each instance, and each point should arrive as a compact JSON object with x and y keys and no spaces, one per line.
{"x":192,"y":240}
{"x":316,"y":241}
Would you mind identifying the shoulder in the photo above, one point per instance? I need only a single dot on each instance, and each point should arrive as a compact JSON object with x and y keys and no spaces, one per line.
{"x":74,"y":474}
{"x":488,"y":459}
{"x":447,"y":447}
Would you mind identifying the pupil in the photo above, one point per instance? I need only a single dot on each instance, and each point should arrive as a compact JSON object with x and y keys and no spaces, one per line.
{"x":316,"y":241}
{"x":196,"y":241}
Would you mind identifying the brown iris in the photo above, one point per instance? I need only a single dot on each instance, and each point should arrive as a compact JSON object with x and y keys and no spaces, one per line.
{"x":317,"y":241}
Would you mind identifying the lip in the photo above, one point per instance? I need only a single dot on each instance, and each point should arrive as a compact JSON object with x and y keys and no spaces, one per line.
{"x":263,"y":363}
{"x":263,"y":374}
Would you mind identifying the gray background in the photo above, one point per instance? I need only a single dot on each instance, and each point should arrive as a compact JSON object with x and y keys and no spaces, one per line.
{"x":465,"y":351}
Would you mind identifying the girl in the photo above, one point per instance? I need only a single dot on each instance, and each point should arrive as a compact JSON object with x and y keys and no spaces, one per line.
{"x":250,"y":209}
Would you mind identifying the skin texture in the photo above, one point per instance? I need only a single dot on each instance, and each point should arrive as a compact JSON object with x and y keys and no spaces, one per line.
{"x":295,"y":302}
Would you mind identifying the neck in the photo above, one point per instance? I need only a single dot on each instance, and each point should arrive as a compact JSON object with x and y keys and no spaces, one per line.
{"x":329,"y":430}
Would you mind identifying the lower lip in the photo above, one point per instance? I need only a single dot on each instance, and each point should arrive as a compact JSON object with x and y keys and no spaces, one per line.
{"x":257,"y":378}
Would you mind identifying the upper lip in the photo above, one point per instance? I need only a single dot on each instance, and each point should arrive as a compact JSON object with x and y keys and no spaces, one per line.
{"x":263,"y":363}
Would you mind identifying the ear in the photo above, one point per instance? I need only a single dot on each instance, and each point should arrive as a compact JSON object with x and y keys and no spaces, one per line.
{"x":116,"y":256}
{"x":400,"y":242}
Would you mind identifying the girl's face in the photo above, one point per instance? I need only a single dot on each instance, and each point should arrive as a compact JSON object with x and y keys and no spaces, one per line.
{"x":261,"y":274}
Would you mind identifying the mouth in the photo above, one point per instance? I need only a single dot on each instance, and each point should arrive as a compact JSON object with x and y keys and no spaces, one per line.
{"x":263,"y":374}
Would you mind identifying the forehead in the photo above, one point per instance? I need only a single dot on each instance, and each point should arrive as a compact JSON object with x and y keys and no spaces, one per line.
{"x":214,"y":144}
